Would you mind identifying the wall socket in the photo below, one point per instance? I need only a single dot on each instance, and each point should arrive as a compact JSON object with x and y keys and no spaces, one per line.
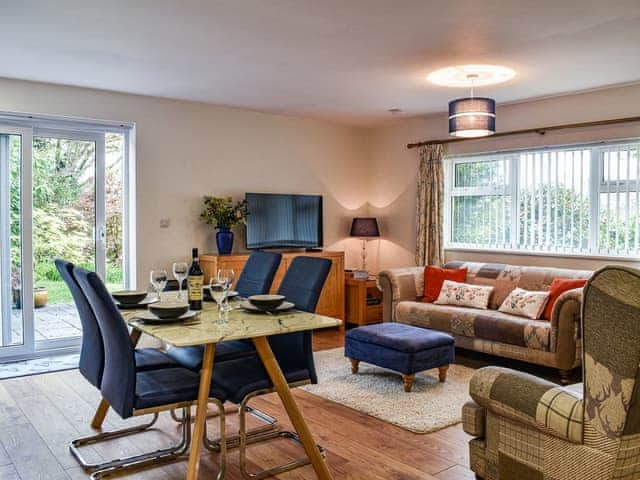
{"x":165,"y":223}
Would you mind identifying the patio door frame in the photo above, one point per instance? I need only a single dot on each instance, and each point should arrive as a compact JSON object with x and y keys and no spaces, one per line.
{"x":28,"y":127}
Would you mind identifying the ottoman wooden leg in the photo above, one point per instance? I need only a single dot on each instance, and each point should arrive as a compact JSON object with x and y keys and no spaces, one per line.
{"x":408,"y":381}
{"x":442,"y":373}
{"x":354,"y":365}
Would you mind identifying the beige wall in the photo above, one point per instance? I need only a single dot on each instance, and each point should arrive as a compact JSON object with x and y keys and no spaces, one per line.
{"x":186,"y":150}
{"x":393,"y":167}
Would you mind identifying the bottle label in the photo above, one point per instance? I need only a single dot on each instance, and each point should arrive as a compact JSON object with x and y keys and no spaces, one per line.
{"x":195,"y":287}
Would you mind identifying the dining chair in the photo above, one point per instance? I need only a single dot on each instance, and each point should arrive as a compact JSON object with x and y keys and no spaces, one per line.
{"x":246,"y":378}
{"x":133,"y":393}
{"x":256,"y":279}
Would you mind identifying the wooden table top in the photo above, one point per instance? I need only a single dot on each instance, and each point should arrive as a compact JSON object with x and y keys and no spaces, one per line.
{"x":234,"y":325}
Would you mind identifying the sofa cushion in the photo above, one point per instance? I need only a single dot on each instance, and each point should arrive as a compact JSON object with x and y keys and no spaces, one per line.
{"x":485,"y":324}
{"x":558,"y":287}
{"x":434,"y":277}
{"x":464,"y":295}
{"x":525,"y":303}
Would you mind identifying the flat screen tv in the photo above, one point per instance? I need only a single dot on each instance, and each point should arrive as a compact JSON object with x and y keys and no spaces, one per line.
{"x":284,"y":221}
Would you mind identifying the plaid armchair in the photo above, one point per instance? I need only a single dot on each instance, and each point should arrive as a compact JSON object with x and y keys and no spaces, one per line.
{"x":526,"y":428}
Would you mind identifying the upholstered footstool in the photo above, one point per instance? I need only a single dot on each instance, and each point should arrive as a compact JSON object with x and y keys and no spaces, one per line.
{"x":401,"y":348}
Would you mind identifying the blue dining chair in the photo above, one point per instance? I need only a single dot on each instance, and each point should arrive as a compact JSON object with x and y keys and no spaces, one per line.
{"x":132,"y":393}
{"x":256,"y":279}
{"x":245,"y":378}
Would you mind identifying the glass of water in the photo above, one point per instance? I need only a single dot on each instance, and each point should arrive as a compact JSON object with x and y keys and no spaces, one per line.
{"x":159,"y":281}
{"x":180,"y":271}
{"x":217,"y":292}
{"x":226,"y":276}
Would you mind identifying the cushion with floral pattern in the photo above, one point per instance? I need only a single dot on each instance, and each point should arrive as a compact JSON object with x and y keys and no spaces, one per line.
{"x":525,"y":303}
{"x":464,"y":295}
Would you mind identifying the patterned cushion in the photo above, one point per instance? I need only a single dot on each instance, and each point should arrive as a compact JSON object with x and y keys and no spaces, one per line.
{"x":525,"y":303}
{"x":464,"y":295}
{"x":531,"y":400}
{"x":483,"y":324}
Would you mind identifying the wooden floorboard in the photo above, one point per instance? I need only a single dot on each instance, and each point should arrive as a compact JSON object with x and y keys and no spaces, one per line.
{"x":40,"y":414}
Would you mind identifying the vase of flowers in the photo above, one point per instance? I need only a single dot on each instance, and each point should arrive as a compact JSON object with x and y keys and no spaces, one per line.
{"x":223,"y":214}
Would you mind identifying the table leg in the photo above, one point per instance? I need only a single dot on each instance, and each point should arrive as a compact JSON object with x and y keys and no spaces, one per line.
{"x":103,"y":407}
{"x":201,"y":412}
{"x":279,"y":382}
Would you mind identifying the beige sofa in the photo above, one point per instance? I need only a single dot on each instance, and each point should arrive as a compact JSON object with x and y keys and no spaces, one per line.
{"x":555,"y":343}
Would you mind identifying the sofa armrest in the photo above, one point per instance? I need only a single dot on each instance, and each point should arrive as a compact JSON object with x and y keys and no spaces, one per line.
{"x":399,"y":284}
{"x":527,"y":399}
{"x":565,"y":329}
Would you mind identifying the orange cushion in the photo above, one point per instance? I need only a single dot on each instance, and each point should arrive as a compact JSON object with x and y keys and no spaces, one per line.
{"x":434,"y":277}
{"x":558,"y":287}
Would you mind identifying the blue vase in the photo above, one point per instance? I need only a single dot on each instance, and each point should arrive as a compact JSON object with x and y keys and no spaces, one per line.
{"x":224,"y":240}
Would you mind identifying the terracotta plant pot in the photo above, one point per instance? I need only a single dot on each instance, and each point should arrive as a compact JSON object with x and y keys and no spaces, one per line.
{"x":40,"y":297}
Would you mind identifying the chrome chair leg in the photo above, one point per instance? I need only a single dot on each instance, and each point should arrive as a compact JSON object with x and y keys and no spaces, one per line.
{"x":245,"y":440}
{"x":155,"y":458}
{"x":254,"y":434}
{"x":75,"y":445}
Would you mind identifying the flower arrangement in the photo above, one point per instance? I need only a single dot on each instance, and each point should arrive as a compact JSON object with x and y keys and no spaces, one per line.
{"x":223,"y":213}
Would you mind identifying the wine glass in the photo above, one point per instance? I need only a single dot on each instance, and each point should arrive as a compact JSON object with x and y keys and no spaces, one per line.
{"x":217,"y":292}
{"x":159,"y":281}
{"x":226,"y":277}
{"x":180,"y":271}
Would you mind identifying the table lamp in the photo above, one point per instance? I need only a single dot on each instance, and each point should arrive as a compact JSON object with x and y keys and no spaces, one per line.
{"x":365,"y":229}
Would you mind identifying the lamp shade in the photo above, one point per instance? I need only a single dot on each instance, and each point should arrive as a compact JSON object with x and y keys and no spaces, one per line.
{"x":472,"y":117}
{"x":364,"y":227}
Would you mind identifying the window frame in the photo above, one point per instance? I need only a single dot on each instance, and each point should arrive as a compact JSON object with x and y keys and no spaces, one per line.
{"x":597,"y":186}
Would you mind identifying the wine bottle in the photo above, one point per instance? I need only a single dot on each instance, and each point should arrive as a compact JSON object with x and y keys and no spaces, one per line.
{"x":195,"y":279}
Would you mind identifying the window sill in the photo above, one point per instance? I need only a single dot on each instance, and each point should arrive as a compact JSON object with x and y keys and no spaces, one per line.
{"x":543,"y":254}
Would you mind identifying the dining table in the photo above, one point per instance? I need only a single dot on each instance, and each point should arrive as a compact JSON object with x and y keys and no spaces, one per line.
{"x":212,"y":326}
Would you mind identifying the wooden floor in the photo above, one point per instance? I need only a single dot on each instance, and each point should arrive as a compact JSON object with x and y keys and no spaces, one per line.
{"x":40,"y":414}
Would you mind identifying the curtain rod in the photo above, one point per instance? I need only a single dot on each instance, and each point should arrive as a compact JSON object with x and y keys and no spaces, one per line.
{"x":539,"y":130}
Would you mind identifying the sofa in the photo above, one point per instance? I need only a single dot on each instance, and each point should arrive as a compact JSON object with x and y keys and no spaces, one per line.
{"x":527,"y":428}
{"x":553,"y":343}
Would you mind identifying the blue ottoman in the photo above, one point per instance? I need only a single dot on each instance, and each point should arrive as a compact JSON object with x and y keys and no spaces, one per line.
{"x":402,"y":348}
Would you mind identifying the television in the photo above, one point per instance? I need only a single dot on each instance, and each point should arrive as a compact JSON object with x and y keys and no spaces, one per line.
{"x":283,"y":221}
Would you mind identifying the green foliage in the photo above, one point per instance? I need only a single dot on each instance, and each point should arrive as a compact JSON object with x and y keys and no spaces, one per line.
{"x":222,"y":213}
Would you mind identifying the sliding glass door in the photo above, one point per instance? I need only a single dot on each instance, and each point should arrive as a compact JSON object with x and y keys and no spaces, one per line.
{"x":63,"y":197}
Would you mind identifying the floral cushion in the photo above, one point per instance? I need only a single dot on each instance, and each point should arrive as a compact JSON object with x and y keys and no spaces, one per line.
{"x":464,"y":295}
{"x":525,"y":303}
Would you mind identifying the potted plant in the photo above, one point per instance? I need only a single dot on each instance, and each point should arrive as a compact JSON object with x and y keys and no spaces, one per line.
{"x":223,"y":214}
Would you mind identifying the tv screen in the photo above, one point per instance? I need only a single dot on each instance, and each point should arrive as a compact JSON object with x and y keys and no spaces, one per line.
{"x":277,"y":220}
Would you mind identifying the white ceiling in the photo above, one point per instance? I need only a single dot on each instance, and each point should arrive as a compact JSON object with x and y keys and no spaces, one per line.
{"x":347,"y":60}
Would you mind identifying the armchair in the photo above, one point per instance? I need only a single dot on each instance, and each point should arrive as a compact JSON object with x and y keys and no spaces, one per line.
{"x":528,"y":428}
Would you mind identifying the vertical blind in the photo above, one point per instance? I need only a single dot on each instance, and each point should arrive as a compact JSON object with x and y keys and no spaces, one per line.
{"x":575,"y":200}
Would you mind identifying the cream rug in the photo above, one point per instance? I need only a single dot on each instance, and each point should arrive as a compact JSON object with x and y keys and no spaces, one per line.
{"x":430,"y":406}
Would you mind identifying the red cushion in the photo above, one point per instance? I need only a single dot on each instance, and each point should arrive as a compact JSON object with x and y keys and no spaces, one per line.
{"x":434,"y":277}
{"x":558,"y":287}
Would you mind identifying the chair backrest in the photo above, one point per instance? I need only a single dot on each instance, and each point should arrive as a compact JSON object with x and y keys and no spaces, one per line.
{"x":257,"y":275}
{"x":303,"y":282}
{"x":611,"y":339}
{"x":119,"y":377}
{"x":302,"y":285}
{"x":91,"y":362}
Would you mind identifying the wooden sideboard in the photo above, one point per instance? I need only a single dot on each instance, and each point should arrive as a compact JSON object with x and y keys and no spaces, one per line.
{"x":331,"y":301}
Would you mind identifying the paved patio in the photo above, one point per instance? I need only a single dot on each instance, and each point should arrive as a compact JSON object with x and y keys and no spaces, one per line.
{"x":59,"y":320}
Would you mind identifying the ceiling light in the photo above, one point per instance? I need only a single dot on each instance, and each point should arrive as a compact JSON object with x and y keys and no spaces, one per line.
{"x":458,"y":76}
{"x":472,"y":117}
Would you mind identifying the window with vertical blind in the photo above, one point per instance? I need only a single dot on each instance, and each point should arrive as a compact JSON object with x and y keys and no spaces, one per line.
{"x":580,"y":200}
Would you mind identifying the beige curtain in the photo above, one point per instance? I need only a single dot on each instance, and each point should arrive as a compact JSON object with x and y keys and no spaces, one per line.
{"x":429,"y":214}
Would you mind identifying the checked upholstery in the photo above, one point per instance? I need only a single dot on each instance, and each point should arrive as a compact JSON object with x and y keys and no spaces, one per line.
{"x":531,"y":429}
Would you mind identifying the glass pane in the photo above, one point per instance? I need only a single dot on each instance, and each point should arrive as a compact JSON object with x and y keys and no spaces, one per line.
{"x":11,"y":327}
{"x":63,"y":226}
{"x":485,"y":173}
{"x":554,"y":200}
{"x":114,"y":212}
{"x":482,"y":220}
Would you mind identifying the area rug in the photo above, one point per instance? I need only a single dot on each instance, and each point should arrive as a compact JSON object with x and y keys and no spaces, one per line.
{"x":378,"y":392}
{"x":39,"y":365}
